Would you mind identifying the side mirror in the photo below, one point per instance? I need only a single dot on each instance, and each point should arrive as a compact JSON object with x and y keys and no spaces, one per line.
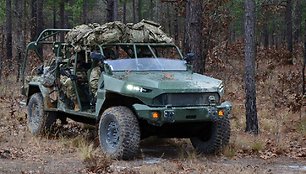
{"x":96,"y":56}
{"x":190,"y":57}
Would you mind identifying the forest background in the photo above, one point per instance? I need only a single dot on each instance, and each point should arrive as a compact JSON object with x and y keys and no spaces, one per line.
{"x":218,"y":41}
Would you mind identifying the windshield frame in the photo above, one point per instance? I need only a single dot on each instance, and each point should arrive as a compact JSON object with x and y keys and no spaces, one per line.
{"x":134,"y":45}
{"x":136,"y":57}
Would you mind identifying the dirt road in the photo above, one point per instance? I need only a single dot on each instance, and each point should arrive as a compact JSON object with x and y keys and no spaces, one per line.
{"x":65,"y":149}
{"x":25,"y":154}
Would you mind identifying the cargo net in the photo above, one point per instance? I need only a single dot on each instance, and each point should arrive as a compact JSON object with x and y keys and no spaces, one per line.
{"x":84,"y":36}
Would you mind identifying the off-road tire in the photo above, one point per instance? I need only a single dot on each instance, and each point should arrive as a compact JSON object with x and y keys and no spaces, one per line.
{"x":119,"y":133}
{"x":39,"y":121}
{"x":218,"y":138}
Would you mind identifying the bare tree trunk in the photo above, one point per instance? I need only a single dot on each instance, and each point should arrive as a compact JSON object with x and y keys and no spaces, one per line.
{"x":20,"y":35}
{"x":273,"y":34}
{"x":62,"y":17}
{"x":1,"y":50}
{"x":33,"y":22}
{"x":85,"y":12}
{"x":40,"y":16}
{"x":151,"y":10}
{"x":176,"y":25}
{"x":157,"y":11}
{"x":304,"y":69}
{"x":110,"y":11}
{"x":124,"y":12}
{"x":169,"y":19}
{"x":134,"y":11}
{"x":8,"y":27}
{"x":266,"y":29}
{"x":194,"y":32}
{"x":66,"y":19}
{"x":115,"y":10}
{"x":298,"y":21}
{"x":54,"y":13}
{"x":289,"y":26}
{"x":304,"y":65}
{"x":40,"y":22}
{"x":250,"y":54}
{"x":140,"y":10}
{"x":25,"y":25}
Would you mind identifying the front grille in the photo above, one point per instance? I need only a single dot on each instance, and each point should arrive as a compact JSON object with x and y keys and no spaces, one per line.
{"x":184,"y":99}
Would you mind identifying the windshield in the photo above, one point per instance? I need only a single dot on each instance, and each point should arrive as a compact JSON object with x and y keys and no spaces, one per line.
{"x":147,"y":64}
{"x":143,"y":57}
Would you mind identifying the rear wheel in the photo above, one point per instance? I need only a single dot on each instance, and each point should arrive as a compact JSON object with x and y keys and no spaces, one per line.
{"x":213,"y":140}
{"x":119,"y":133}
{"x":39,"y":121}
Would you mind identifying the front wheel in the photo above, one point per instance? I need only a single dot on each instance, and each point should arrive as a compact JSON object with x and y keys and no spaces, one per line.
{"x":213,"y":138}
{"x":38,"y":120}
{"x":119,"y":133}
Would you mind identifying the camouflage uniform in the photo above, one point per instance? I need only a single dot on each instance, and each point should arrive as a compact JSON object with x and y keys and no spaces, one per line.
{"x":68,"y":87}
{"x":94,"y":79}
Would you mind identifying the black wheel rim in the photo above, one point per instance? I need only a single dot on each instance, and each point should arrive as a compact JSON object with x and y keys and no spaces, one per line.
{"x":112,"y":135}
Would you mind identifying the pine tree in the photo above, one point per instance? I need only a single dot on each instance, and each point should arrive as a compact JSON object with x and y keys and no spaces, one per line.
{"x":250,"y":53}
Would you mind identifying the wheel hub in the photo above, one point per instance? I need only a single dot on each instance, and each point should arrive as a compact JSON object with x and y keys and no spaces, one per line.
{"x":112,"y":135}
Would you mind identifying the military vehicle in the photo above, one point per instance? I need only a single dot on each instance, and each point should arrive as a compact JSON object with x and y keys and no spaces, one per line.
{"x":145,"y":89}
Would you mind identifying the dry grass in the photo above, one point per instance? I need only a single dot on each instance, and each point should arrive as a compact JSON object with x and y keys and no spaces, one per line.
{"x":37,"y":142}
{"x":92,"y":158}
{"x":76,"y":143}
{"x":185,"y":153}
{"x":229,"y":151}
{"x":301,"y":127}
{"x":98,"y":164}
{"x":247,"y":143}
{"x":257,"y":145}
{"x":268,"y":125}
{"x":153,"y":169}
{"x":281,"y":147}
{"x":86,"y":151}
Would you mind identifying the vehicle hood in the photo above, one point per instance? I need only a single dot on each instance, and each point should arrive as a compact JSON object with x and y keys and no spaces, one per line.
{"x":170,"y":81}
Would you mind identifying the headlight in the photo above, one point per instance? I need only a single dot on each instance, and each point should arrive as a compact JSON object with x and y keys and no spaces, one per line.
{"x":137,"y":88}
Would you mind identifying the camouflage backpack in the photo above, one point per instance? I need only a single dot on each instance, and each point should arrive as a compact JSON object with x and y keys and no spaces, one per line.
{"x":84,"y":36}
{"x":147,"y":31}
{"x":107,"y":33}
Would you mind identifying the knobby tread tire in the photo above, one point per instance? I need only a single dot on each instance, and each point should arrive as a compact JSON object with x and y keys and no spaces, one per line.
{"x":129,"y":132}
{"x":226,"y":131}
{"x":220,"y":136}
{"x":44,"y":120}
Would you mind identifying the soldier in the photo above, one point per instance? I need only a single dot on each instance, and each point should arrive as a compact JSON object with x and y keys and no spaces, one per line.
{"x":145,"y":52}
{"x":95,"y":73}
{"x":94,"y":79}
{"x":67,"y":78}
{"x":69,"y":90}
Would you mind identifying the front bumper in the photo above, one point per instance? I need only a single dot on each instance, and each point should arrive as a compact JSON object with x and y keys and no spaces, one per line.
{"x":169,"y":114}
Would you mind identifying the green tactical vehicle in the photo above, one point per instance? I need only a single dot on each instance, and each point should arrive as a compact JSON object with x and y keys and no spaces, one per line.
{"x":145,"y":89}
